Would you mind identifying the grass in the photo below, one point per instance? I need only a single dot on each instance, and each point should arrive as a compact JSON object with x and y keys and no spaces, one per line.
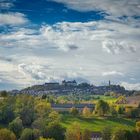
{"x":97,"y":123}
{"x":108,"y":99}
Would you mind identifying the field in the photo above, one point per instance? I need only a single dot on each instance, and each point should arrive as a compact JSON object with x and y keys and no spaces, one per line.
{"x":108,"y":99}
{"x":97,"y":124}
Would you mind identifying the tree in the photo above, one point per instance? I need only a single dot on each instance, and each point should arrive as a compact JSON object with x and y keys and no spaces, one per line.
{"x":101,"y":108}
{"x":120,"y":109}
{"x":27,"y":134}
{"x":86,"y":112}
{"x":43,"y":109}
{"x":41,"y":138}
{"x":25,"y":109}
{"x":40,"y":124}
{"x":3,"y":93}
{"x":74,"y":111}
{"x":6,"y":134}
{"x":106,"y":133}
{"x":113,"y":112}
{"x":55,"y":130}
{"x":86,"y":135}
{"x":16,"y":126}
{"x":36,"y":133}
{"x":138,"y":126}
{"x":7,"y":110}
{"x":119,"y":134}
{"x":133,"y":113}
{"x":135,"y":135}
{"x":54,"y":117}
{"x":73,"y":132}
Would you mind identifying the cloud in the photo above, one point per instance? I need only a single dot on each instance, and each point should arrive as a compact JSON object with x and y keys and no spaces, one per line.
{"x":111,"y":7}
{"x":6,"y":4}
{"x":12,"y":19}
{"x":112,"y":73}
{"x":32,"y":70}
{"x":112,"y":46}
{"x":90,"y":51}
{"x":131,"y":86}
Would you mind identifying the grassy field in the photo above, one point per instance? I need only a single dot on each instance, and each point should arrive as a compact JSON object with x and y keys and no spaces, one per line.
{"x":97,"y":124}
{"x":108,"y":99}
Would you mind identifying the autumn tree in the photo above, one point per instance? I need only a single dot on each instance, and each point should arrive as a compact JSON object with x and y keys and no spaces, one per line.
{"x":73,"y":132}
{"x":138,"y":126}
{"x":6,"y":134}
{"x":74,"y":111}
{"x":86,"y":112}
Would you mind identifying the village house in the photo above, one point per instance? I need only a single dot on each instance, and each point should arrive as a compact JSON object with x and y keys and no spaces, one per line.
{"x":67,"y":107}
{"x":96,"y":136}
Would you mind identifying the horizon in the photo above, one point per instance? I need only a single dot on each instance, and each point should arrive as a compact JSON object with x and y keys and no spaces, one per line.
{"x":51,"y":40}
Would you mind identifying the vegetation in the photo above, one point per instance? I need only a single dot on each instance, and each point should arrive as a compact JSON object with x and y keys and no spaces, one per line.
{"x":27,"y":117}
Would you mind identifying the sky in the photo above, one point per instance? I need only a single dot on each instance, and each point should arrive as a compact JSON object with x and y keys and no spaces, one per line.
{"x":87,"y":40}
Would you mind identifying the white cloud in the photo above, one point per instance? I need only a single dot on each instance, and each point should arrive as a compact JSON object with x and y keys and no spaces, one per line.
{"x":12,"y":19}
{"x":112,"y":46}
{"x":6,"y":4}
{"x":112,"y":7}
{"x":131,"y":86}
{"x":98,"y":47}
{"x":112,"y":73}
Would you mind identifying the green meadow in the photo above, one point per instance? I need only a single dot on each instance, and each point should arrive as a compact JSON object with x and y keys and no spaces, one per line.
{"x":98,"y":123}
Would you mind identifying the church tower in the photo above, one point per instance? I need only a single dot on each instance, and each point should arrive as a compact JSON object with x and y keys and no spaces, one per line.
{"x":109,"y":83}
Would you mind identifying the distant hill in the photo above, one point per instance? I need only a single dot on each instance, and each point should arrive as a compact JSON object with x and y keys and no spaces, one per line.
{"x":67,"y":87}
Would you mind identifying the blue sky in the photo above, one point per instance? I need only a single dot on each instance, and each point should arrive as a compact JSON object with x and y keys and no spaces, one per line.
{"x":52,"y":40}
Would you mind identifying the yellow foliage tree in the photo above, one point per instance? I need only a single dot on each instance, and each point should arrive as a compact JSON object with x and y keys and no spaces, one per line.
{"x":86,"y":112}
{"x":138,"y":126}
{"x":73,"y":132}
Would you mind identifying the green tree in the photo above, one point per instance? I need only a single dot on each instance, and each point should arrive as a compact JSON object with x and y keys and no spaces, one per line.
{"x":4,"y":93}
{"x":7,"y":110}
{"x":106,"y":133}
{"x":113,"y":111}
{"x":101,"y":108}
{"x":41,"y":138}
{"x":27,"y":134}
{"x":55,"y":130}
{"x":16,"y":126}
{"x":73,"y":132}
{"x":86,"y":135}
{"x":120,"y":109}
{"x":6,"y":134}
{"x":54,"y":117}
{"x":25,"y":109}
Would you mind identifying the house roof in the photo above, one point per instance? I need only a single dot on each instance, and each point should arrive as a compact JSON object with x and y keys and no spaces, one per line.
{"x":72,"y":105}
